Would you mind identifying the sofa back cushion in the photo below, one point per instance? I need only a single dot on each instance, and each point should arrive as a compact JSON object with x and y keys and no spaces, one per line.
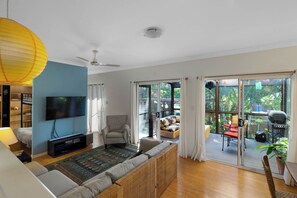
{"x":157,"y":149}
{"x":136,"y":161}
{"x":78,"y":192}
{"x":148,"y":143}
{"x":119,"y":170}
{"x":57,"y":182}
{"x":98,"y":185}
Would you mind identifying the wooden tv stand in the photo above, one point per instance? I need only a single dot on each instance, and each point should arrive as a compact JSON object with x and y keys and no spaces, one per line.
{"x":63,"y":145}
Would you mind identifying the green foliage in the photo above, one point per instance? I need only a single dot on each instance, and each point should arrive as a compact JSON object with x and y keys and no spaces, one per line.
{"x":277,"y":149}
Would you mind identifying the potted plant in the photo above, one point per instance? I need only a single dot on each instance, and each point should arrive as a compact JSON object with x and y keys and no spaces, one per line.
{"x":278,"y":150}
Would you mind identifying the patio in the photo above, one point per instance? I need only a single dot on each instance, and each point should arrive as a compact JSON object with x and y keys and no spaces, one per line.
{"x":252,"y":157}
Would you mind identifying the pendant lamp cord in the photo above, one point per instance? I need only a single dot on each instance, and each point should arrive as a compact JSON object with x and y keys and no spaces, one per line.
{"x":7,"y":6}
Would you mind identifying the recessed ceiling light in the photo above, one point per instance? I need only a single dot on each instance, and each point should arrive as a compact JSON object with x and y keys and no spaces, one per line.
{"x":153,"y":32}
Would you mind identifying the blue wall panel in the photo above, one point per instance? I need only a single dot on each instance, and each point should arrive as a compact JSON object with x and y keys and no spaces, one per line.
{"x":57,"y":79}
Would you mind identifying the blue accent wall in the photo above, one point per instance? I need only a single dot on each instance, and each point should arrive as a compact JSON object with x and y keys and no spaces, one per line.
{"x":57,"y":79}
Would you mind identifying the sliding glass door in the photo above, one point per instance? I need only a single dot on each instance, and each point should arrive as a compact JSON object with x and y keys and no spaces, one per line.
{"x":239,"y":113}
{"x":148,"y":109}
{"x":156,"y":100}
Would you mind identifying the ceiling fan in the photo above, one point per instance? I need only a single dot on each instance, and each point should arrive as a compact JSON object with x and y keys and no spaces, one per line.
{"x":94,"y":61}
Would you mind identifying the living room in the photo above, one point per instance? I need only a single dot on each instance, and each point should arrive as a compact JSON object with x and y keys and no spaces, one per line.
{"x":61,"y":78}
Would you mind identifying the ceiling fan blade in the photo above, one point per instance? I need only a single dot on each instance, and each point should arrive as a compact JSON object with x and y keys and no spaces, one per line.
{"x":109,"y":65}
{"x":82,"y":59}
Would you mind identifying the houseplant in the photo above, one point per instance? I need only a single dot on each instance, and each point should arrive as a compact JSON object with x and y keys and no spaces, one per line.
{"x":278,"y":150}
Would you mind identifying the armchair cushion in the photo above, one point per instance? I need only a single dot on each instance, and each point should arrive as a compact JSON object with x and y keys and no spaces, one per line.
{"x":114,"y":135}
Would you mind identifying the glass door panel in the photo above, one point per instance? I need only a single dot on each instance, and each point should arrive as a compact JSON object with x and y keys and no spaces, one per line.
{"x":259,"y":97}
{"x":148,"y":109}
{"x":143,"y":110}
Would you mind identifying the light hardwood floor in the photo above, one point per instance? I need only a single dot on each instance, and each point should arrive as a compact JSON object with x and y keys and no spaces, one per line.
{"x":207,"y":179}
{"x":216,"y":180}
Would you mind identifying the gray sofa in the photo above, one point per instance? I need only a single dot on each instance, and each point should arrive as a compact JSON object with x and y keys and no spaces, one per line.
{"x":142,"y":176}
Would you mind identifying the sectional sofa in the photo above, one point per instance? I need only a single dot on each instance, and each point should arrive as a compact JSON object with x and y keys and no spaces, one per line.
{"x":144,"y":176}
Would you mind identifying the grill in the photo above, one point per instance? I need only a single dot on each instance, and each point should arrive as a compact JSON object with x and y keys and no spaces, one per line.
{"x":277,"y":125}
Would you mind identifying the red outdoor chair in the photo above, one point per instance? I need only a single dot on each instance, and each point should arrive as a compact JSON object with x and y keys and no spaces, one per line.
{"x":232,"y":131}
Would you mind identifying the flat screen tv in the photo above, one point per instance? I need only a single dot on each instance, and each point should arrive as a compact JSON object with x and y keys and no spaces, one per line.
{"x":58,"y":107}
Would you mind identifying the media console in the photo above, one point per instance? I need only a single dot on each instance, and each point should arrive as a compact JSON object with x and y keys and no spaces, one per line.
{"x":63,"y":145}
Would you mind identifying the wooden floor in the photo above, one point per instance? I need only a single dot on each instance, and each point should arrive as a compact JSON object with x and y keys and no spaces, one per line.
{"x":207,"y":179}
{"x":215,"y":180}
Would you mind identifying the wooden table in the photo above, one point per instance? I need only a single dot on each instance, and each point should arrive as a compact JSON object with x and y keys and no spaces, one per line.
{"x":292,"y":168}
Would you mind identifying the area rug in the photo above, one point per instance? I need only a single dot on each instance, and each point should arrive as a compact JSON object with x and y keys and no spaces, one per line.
{"x":86,"y":165}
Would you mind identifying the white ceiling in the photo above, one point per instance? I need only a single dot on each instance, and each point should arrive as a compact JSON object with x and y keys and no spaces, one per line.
{"x":192,"y":29}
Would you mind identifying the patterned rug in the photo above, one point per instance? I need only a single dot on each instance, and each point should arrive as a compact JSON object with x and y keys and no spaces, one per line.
{"x":86,"y":165}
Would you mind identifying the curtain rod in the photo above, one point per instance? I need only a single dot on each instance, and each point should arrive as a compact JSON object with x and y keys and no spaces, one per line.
{"x":252,"y":74}
{"x":161,"y":80}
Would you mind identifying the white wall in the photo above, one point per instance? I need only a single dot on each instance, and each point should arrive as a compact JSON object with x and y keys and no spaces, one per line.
{"x":117,"y":84}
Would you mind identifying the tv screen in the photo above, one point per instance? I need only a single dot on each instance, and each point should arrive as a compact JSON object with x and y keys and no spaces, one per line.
{"x":58,"y":107}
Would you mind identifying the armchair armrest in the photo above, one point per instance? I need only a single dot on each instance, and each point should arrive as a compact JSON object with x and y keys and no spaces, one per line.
{"x":104,"y":132}
{"x":126,"y":131}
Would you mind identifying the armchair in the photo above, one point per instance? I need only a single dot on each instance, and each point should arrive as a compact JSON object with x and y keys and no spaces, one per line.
{"x":117,"y":130}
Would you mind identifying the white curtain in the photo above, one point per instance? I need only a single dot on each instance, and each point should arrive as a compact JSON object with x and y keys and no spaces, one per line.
{"x":134,"y":114}
{"x":96,"y":109}
{"x":292,"y":151}
{"x":183,"y":151}
{"x":199,"y":137}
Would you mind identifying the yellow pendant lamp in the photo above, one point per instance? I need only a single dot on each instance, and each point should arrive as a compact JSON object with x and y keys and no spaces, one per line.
{"x":22,"y":54}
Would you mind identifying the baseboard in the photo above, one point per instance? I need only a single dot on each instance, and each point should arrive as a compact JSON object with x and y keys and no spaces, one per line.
{"x":38,"y":155}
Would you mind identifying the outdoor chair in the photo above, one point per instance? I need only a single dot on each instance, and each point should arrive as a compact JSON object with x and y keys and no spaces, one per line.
{"x":273,"y":192}
{"x":232,"y":131}
{"x":117,"y":130}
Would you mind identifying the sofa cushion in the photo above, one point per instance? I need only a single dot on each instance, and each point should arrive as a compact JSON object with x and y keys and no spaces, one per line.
{"x":56,"y":182}
{"x":148,"y":143}
{"x":136,"y":161}
{"x":95,"y":177}
{"x":78,"y":192}
{"x":157,"y":149}
{"x":119,"y":170}
{"x":115,"y":135}
{"x":99,"y":184}
{"x":173,"y":127}
{"x":165,"y":121}
{"x":36,"y":168}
